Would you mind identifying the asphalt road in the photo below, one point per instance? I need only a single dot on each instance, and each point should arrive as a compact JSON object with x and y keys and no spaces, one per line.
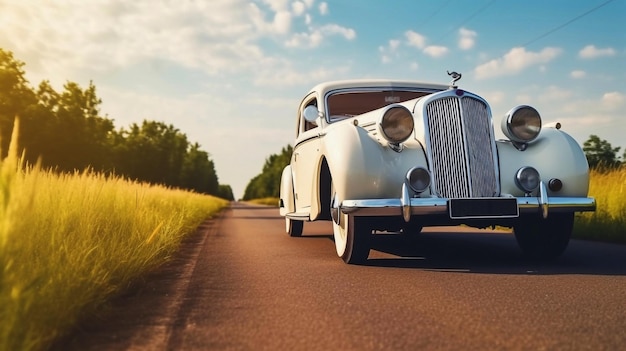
{"x":242,"y":284}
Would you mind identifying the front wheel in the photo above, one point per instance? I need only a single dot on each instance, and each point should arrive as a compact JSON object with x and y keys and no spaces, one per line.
{"x":544,"y":239}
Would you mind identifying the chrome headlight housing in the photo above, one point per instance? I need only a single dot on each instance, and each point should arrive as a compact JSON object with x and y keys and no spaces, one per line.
{"x":396,"y":124}
{"x":522,"y":124}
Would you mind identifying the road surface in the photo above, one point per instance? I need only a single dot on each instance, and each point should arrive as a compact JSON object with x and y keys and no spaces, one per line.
{"x":241,"y":283}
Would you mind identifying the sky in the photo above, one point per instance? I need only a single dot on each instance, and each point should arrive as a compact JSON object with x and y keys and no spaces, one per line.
{"x":230,"y":74}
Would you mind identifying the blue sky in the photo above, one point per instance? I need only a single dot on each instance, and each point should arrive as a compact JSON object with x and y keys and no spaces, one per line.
{"x":230,"y":73}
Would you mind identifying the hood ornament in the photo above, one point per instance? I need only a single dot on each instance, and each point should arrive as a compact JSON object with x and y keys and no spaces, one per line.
{"x":455,"y":77}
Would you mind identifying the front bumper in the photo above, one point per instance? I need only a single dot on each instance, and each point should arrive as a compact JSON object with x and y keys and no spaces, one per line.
{"x":408,"y":206}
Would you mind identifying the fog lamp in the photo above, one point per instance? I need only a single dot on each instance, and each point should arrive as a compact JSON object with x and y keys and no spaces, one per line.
{"x":527,"y":179}
{"x":418,"y":179}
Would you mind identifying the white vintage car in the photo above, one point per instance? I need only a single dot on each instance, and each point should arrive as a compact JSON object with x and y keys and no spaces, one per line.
{"x":396,"y":156}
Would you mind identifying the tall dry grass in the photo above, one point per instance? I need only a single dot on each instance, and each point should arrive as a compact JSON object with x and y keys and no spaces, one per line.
{"x":69,"y":242}
{"x":608,"y":222}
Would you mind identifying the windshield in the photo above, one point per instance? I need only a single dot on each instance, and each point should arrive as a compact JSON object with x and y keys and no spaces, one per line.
{"x":347,"y":104}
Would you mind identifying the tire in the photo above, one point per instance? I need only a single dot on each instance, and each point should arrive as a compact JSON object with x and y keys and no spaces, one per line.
{"x":352,"y":237}
{"x":293,"y":228}
{"x":544,"y":239}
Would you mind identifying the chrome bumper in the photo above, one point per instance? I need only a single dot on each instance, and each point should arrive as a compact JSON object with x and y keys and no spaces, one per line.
{"x":407,"y":206}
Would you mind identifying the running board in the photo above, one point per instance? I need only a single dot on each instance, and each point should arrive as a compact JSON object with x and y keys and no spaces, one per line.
{"x":298,"y":216}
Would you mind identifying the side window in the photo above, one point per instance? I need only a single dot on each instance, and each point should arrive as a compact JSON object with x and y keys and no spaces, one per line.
{"x":303,"y":124}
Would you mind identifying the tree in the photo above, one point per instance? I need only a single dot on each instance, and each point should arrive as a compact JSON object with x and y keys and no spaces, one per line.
{"x":66,"y":132}
{"x":600,"y":153}
{"x":267,"y":184}
{"x":16,"y":96}
{"x":226,"y":192}
{"x":198,"y":172}
{"x":77,"y":137}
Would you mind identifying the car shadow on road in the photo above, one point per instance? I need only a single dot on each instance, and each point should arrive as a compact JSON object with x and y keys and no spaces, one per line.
{"x":490,"y":252}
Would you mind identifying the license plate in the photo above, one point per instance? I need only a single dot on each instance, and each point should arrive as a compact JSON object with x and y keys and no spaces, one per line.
{"x":483,"y":208}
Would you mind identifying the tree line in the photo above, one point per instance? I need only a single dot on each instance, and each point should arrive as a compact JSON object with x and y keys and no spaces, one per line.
{"x":267,"y":183}
{"x":601,"y":155}
{"x":65,"y":132}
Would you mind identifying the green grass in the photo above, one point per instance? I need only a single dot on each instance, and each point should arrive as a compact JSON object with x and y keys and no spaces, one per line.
{"x":70,"y":242}
{"x":608,"y":222}
{"x":268,"y":201}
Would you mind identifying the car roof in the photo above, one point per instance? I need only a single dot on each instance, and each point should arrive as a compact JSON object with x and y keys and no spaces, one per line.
{"x":376,"y":83}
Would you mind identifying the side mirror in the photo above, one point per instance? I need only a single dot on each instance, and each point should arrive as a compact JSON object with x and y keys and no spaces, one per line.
{"x":311,"y":113}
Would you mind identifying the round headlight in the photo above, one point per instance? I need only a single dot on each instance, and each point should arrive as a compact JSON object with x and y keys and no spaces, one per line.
{"x":418,"y":179}
{"x":522,"y":124}
{"x":396,"y":124}
{"x":527,"y":179}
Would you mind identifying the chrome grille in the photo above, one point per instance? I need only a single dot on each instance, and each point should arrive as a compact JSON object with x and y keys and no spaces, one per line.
{"x":461,"y":152}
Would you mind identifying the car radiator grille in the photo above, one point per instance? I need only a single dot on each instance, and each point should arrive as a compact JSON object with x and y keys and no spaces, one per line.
{"x":459,"y":131}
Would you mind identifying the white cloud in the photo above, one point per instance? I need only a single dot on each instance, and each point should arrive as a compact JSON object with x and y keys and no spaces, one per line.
{"x":288,"y":76}
{"x":212,"y":36}
{"x":591,"y":52}
{"x":315,"y":37}
{"x":467,"y":38}
{"x":436,"y":51}
{"x":494,"y":97}
{"x":394,"y":44}
{"x":515,"y":61}
{"x":578,"y":74}
{"x":280,"y":24}
{"x":415,"y":39}
{"x":111,"y":38}
{"x":323,"y":8}
{"x":414,"y":66}
{"x":332,"y":29}
{"x":298,"y":8}
{"x":277,"y":5}
{"x":555,"y":94}
{"x":389,"y":51}
{"x":305,"y":40}
{"x":613,"y":100}
{"x":385,"y":59}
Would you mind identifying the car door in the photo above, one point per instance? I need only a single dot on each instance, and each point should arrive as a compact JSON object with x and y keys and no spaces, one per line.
{"x":304,"y":158}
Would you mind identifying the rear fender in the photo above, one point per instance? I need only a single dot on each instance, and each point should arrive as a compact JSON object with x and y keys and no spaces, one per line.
{"x":286,"y":203}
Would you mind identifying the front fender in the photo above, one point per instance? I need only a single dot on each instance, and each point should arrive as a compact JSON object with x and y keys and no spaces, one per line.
{"x":555,"y":154}
{"x":363,"y":168}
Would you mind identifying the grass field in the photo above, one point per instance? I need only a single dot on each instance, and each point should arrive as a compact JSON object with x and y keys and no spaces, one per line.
{"x":608,"y":223}
{"x":70,"y":242}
